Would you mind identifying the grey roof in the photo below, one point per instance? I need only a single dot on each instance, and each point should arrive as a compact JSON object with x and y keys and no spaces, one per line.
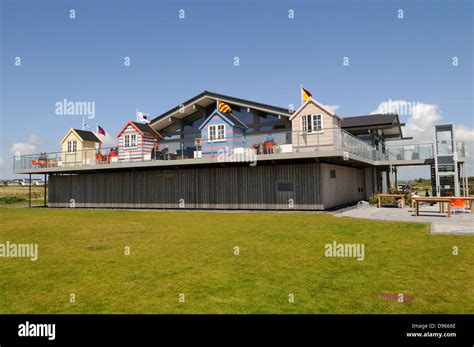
{"x":235,"y":120}
{"x":389,"y":123}
{"x":370,"y":120}
{"x":87,"y":135}
{"x":146,"y":129}
{"x":278,"y":110}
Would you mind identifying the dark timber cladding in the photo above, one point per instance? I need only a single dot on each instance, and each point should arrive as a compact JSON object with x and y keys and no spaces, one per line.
{"x":280,"y":186}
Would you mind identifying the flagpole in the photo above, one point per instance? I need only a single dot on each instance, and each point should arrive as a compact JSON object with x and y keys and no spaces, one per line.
{"x":301,"y":94}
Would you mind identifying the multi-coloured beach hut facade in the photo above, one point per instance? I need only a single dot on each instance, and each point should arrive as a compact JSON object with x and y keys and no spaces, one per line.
{"x":221,"y":133}
{"x":137,"y":142}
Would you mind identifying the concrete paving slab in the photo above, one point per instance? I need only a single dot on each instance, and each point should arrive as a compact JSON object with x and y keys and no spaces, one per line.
{"x":458,"y":223}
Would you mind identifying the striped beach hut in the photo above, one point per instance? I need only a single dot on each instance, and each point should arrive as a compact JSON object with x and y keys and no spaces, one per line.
{"x":221,"y":133}
{"x":137,"y":142}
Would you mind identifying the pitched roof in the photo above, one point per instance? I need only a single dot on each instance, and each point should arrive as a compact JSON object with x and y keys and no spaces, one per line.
{"x":228,"y":117}
{"x":87,"y":135}
{"x":318,"y":104}
{"x":235,"y":120}
{"x":226,"y":98}
{"x":370,"y":120}
{"x":388,"y":123}
{"x":144,"y":129}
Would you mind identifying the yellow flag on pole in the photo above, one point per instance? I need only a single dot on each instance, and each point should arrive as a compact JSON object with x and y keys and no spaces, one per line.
{"x":305,"y":94}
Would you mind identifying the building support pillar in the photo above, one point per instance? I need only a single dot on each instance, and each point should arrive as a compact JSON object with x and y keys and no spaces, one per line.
{"x":396,"y":176}
{"x":29,"y":192}
{"x":45,"y":187}
{"x":391,"y":177}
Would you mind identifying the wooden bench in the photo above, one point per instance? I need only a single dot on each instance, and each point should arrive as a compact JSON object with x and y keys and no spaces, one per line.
{"x":396,"y":196}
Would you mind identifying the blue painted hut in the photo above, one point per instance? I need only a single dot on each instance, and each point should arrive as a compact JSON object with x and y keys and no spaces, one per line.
{"x":221,"y":133}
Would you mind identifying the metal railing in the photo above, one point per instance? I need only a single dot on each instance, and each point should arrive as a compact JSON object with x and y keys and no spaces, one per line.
{"x":354,"y":145}
{"x":247,"y":145}
{"x":461,"y":149}
{"x":422,"y":151}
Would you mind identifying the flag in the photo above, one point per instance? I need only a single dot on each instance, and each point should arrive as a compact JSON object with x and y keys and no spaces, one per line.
{"x":143,"y":117}
{"x":100,"y":130}
{"x":305,"y":94}
{"x":224,"y":108}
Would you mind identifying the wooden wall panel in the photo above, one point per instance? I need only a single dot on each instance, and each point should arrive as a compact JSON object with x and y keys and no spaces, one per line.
{"x":239,"y":187}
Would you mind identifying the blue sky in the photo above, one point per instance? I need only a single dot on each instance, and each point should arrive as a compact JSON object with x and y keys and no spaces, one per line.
{"x":173,"y":59}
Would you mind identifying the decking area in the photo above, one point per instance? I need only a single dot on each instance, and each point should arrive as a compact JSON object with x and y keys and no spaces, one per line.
{"x":254,"y":148}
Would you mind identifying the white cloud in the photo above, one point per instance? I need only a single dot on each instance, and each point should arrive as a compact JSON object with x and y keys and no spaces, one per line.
{"x":108,"y":140}
{"x":23,"y":148}
{"x":463,"y":133}
{"x":421,"y":121}
{"x":421,"y":117}
{"x":27,"y":147}
{"x":332,"y":108}
{"x":2,"y":162}
{"x":35,"y":140}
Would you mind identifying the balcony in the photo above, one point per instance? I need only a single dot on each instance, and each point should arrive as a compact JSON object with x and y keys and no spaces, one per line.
{"x":248,"y":147}
{"x":424,"y":151}
{"x":409,"y":152}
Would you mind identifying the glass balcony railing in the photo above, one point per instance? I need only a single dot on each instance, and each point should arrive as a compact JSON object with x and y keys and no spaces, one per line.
{"x":461,"y":149}
{"x":354,"y":145}
{"x":409,"y":152}
{"x":238,"y":148}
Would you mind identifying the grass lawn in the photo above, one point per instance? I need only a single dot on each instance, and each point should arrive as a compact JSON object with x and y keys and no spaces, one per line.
{"x":82,"y":252}
{"x":18,"y":195}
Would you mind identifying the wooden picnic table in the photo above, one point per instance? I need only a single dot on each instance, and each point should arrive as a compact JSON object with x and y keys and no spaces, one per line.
{"x":433,"y":199}
{"x":397,"y":196}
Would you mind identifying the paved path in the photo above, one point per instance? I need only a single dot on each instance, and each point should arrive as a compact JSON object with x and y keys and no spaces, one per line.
{"x":459,"y":223}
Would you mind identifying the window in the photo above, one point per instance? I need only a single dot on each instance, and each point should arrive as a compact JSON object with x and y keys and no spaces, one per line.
{"x":332,"y":173}
{"x":72,"y":146}
{"x":133,"y":140}
{"x":312,"y":123}
{"x":130,"y":141}
{"x":217,"y":132}
{"x":285,"y":186}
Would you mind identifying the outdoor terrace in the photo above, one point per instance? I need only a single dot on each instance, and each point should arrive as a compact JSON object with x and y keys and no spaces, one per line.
{"x":246,"y":148}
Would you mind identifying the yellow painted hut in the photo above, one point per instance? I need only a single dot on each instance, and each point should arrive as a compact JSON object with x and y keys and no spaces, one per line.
{"x":79,"y":147}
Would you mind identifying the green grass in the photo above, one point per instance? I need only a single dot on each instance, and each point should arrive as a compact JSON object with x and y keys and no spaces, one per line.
{"x":82,"y":252}
{"x":12,"y":200}
{"x":18,"y":195}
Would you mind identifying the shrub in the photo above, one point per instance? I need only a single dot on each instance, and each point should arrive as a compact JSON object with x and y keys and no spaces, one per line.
{"x":11,"y":200}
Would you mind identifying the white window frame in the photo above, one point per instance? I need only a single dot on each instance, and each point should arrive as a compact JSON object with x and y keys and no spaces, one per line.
{"x":217,"y":138}
{"x":309,"y":128}
{"x":126,"y":141}
{"x":133,"y":140}
{"x":72,"y":146}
